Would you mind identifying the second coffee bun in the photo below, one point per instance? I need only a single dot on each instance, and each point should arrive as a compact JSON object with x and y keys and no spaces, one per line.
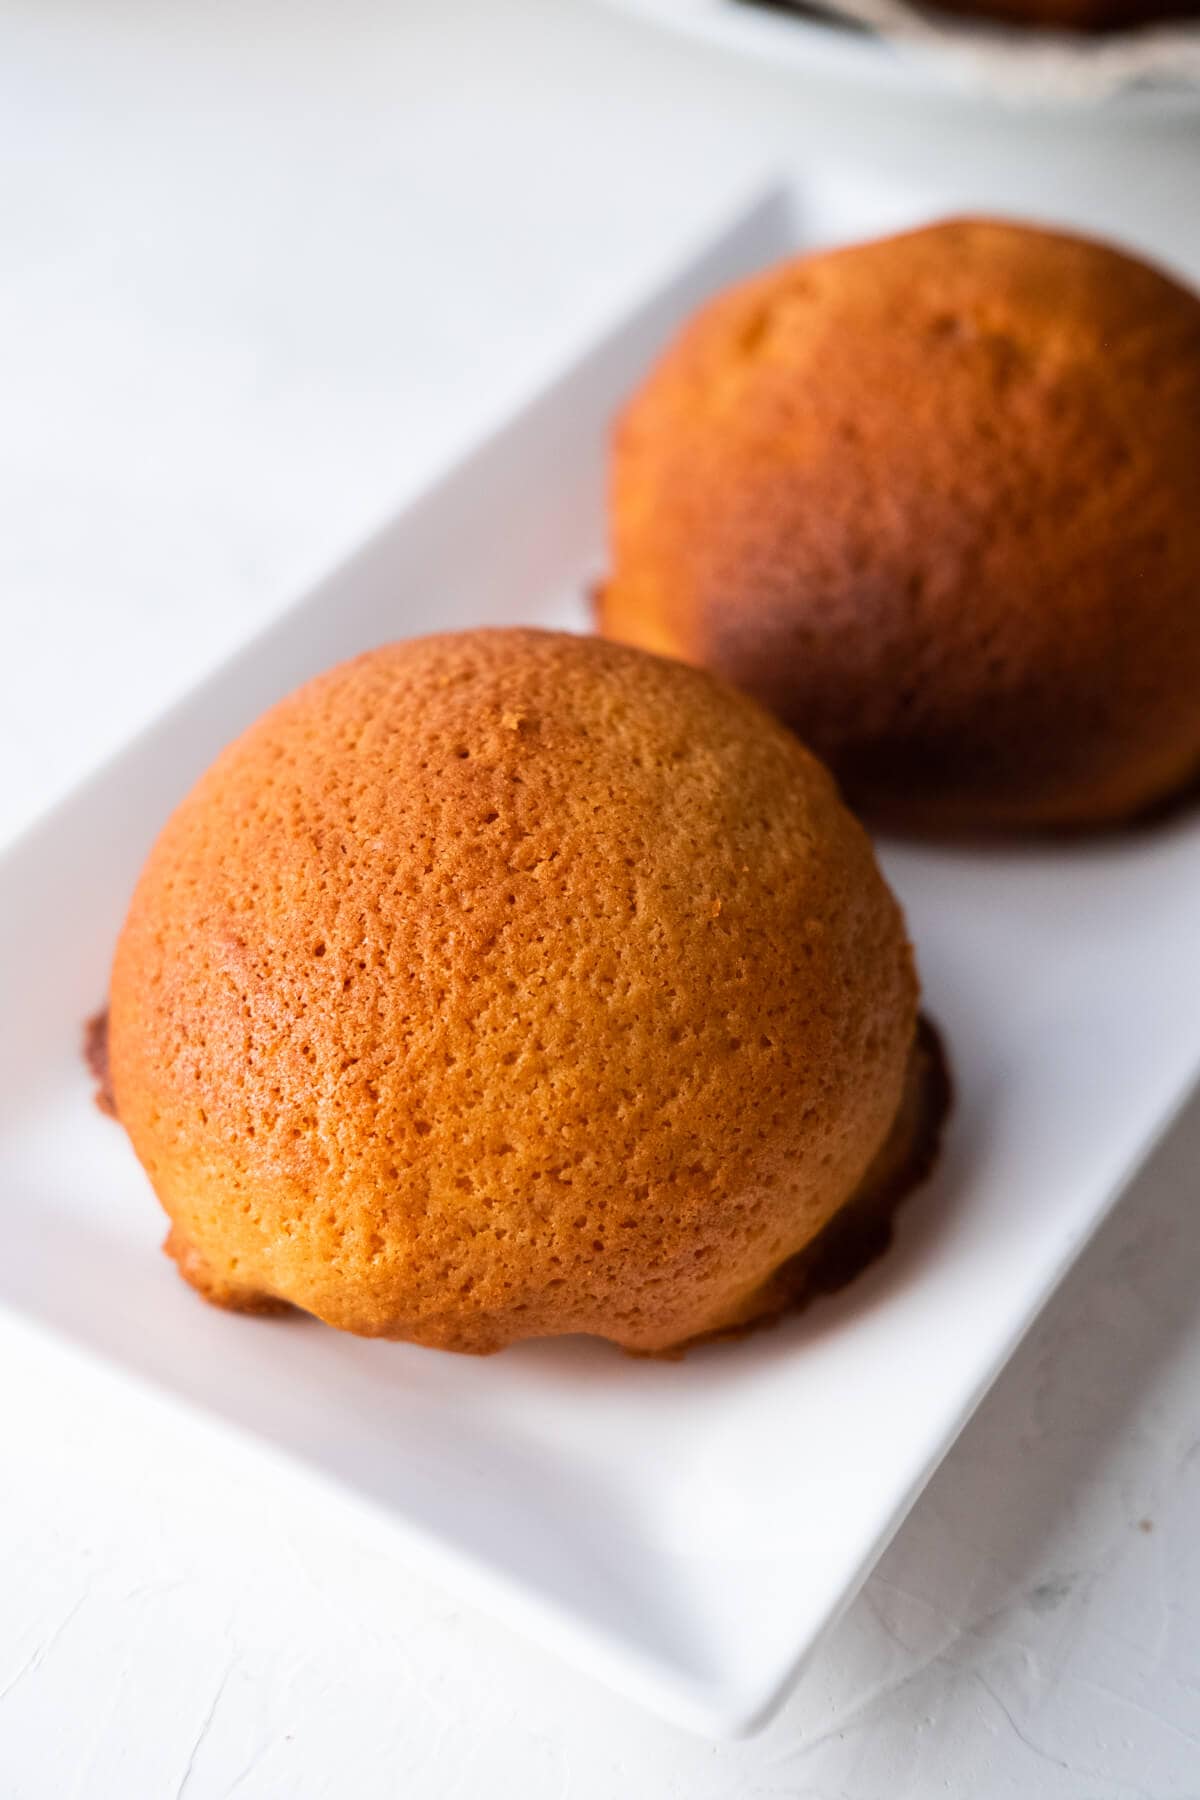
{"x":935,"y":500}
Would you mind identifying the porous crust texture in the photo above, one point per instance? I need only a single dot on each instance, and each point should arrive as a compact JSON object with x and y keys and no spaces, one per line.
{"x":935,"y":501}
{"x":508,"y":984}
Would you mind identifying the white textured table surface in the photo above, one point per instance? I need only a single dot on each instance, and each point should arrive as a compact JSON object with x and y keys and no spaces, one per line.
{"x":262,"y":269}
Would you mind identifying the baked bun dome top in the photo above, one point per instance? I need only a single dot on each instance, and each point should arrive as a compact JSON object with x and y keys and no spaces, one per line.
{"x":935,"y":500}
{"x":507,"y":984}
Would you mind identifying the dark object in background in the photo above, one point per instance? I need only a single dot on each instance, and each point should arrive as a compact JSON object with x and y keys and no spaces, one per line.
{"x":1054,"y":15}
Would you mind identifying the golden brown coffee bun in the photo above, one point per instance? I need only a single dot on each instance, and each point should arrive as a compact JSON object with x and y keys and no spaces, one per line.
{"x":936,"y":501}
{"x":507,"y":984}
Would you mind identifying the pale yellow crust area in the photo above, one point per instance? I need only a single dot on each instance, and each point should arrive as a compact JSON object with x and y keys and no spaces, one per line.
{"x":509,"y":984}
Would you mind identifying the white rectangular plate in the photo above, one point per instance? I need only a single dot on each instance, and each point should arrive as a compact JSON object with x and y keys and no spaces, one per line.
{"x":685,"y":1531}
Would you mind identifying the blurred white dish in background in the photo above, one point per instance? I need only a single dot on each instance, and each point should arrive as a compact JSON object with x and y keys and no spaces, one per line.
{"x":906,"y":51}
